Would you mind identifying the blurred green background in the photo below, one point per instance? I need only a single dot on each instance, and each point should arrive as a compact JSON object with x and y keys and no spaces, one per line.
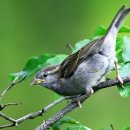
{"x":30,"y":28}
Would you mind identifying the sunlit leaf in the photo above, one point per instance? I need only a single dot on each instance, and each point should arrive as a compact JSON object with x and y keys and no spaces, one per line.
{"x":124,"y":71}
{"x":80,"y":44}
{"x":126,"y":51}
{"x":56,"y":96}
{"x":119,"y":49}
{"x":55,"y":60}
{"x":106,"y":129}
{"x":124,"y":29}
{"x":78,"y":128}
{"x":36,"y":63}
{"x":126,"y":128}
{"x":100,"y":30}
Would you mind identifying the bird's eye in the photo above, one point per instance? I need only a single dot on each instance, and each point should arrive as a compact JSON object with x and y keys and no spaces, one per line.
{"x":44,"y":75}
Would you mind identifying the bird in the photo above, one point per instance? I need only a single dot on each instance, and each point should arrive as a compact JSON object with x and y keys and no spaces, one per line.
{"x":84,"y":69}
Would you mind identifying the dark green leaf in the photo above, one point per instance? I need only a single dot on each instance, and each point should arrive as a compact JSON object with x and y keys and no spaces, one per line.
{"x":124,"y":29}
{"x":62,"y":121}
{"x":126,"y":128}
{"x":106,"y":129}
{"x":36,"y":63}
{"x":80,"y":44}
{"x":68,"y":120}
{"x":124,"y":71}
{"x":100,"y":30}
{"x":78,"y":128}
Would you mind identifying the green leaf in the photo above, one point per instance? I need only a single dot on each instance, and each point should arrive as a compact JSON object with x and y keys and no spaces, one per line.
{"x":62,"y":121}
{"x":56,"y":96}
{"x":68,"y":120}
{"x":123,"y":49}
{"x":119,"y":49}
{"x":124,"y":71}
{"x":126,"y":51}
{"x":55,"y":60}
{"x":100,"y":30}
{"x":126,"y":128}
{"x":124,"y":29}
{"x":32,"y":65}
{"x":122,"y":43}
{"x":106,"y":129}
{"x":36,"y":63}
{"x":124,"y":92}
{"x":80,"y":44}
{"x":78,"y":128}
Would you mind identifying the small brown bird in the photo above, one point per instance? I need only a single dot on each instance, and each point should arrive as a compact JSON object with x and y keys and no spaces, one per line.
{"x":79,"y":72}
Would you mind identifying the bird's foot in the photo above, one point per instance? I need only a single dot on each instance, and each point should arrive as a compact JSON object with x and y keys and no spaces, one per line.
{"x":79,"y":104}
{"x":120,"y":80}
{"x":77,"y":100}
{"x":117,"y":73}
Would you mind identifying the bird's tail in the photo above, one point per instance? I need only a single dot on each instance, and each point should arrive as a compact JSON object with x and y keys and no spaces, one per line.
{"x":118,"y":20}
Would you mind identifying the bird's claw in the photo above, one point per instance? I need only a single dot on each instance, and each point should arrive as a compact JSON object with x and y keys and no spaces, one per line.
{"x":120,"y":81}
{"x":79,"y":104}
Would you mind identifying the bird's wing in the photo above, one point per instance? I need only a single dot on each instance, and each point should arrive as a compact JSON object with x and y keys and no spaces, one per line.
{"x":70,"y":64}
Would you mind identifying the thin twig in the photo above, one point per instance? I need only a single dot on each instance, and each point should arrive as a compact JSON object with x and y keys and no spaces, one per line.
{"x":73,"y":105}
{"x":70,"y":47}
{"x":7,"y":117}
{"x":5,"y":126}
{"x":112,"y":128}
{"x":12,"y":84}
{"x":33,"y":115}
{"x":48,"y":123}
{"x":9,"y":104}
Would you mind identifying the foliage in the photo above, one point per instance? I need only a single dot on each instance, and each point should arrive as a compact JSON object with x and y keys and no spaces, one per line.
{"x":122,"y":49}
{"x":123,"y":55}
{"x":126,"y":128}
{"x":34,"y":64}
{"x":76,"y":125}
{"x":106,"y":129}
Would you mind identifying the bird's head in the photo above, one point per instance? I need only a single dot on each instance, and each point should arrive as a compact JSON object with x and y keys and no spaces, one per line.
{"x":47,"y":77}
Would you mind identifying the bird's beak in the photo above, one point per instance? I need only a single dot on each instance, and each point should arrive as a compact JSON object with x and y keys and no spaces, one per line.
{"x":37,"y":81}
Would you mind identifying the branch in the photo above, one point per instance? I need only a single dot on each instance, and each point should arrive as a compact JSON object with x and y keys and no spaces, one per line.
{"x":9,"y":104}
{"x":13,"y":83}
{"x":32,"y":115}
{"x":69,"y":46}
{"x":48,"y":123}
{"x":109,"y":83}
{"x":112,"y":128}
{"x":5,"y":126}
